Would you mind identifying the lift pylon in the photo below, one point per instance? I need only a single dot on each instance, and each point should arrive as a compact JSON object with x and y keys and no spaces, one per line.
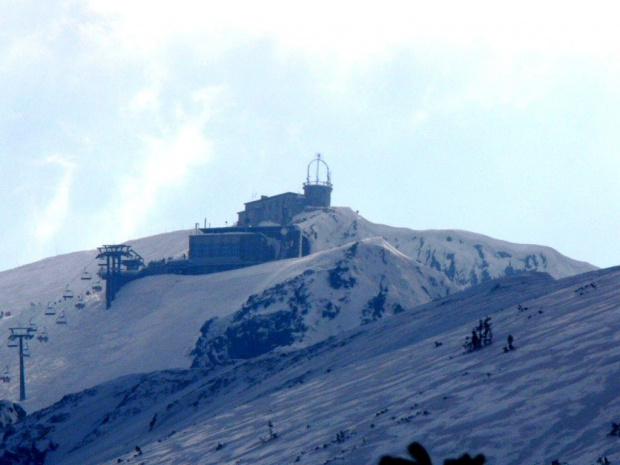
{"x":20,"y":333}
{"x":116,"y":263}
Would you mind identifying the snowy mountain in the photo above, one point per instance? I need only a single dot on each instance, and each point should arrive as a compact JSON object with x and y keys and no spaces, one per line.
{"x":332,"y":291}
{"x":315,"y":344}
{"x":465,"y":258}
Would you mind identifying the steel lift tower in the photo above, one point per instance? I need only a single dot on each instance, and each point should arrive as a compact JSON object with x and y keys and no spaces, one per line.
{"x":20,"y":333}
{"x":117,"y":265}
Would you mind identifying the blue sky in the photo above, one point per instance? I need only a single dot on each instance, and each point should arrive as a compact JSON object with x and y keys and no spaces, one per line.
{"x":126,"y":120}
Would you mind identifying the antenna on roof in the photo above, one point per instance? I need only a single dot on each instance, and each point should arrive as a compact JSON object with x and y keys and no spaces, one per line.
{"x":319,"y":163}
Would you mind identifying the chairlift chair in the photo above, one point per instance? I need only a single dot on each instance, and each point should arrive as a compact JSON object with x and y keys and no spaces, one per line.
{"x":6,"y":378}
{"x":43,"y":337}
{"x":80,"y":305}
{"x":50,"y":310}
{"x":12,"y":342}
{"x":68,"y":294}
{"x":61,"y":319}
{"x":32,"y":326}
{"x":86,"y":276}
{"x":97,"y":287}
{"x":26,"y":350}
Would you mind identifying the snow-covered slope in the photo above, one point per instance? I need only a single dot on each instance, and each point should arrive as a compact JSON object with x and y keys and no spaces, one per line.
{"x":45,"y":280}
{"x":332,"y":291}
{"x":155,"y":322}
{"x":95,"y":345}
{"x":248,"y":333}
{"x":465,"y":258}
{"x":372,"y":390}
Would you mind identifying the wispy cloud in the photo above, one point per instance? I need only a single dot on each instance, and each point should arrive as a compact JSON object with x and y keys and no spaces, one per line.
{"x":165,"y":162}
{"x":52,"y":218}
{"x":145,"y":100}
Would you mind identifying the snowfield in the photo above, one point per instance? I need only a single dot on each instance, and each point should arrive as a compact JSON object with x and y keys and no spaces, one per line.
{"x":351,"y":352}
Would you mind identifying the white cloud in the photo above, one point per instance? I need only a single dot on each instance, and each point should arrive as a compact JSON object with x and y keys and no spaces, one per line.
{"x":54,"y":215}
{"x":510,"y":46}
{"x":516,"y":82}
{"x":164,"y":162}
{"x":354,"y":29}
{"x":169,"y":160}
{"x":146,"y":100}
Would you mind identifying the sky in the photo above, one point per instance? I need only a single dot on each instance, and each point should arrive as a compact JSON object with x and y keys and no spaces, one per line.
{"x":127,"y":119}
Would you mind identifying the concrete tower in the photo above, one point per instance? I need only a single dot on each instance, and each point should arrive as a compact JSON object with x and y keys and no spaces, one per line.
{"x":318,"y":189}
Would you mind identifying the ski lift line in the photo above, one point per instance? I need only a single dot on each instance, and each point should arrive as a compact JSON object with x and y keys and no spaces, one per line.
{"x":78,"y":276}
{"x":68,"y":293}
{"x":50,"y":310}
{"x":60,"y":297}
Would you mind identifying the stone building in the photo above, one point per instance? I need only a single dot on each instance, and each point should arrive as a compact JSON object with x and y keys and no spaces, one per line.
{"x":263,"y":232}
{"x":281,"y":208}
{"x":222,"y":249}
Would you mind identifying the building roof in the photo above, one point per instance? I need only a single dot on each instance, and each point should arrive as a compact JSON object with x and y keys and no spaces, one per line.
{"x":246,"y":229}
{"x":264,"y":197}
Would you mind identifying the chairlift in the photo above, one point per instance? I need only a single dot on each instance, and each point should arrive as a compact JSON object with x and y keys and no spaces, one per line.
{"x":68,"y":294}
{"x":86,"y":276}
{"x":61,"y":319}
{"x":43,"y":337}
{"x":12,"y":342}
{"x":32,"y":326}
{"x":50,"y":310}
{"x":6,"y":378}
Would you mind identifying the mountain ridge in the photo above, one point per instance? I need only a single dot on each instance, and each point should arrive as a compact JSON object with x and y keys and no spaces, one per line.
{"x":266,"y":331}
